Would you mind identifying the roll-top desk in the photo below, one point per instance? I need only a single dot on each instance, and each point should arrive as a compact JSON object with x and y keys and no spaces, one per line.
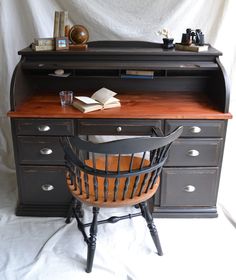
{"x":188,"y":89}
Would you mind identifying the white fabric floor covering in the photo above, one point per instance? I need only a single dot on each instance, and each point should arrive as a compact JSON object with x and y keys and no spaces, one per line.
{"x":47,"y":248}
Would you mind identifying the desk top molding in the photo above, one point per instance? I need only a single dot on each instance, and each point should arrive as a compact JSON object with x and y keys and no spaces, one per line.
{"x":122,"y":47}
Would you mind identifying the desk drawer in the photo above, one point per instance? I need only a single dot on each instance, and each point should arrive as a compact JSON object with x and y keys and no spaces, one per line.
{"x":118,"y":127}
{"x":44,"y":127}
{"x":197,"y":128}
{"x":189,"y":186}
{"x":43,"y":185}
{"x":40,"y":150}
{"x":195,"y":152}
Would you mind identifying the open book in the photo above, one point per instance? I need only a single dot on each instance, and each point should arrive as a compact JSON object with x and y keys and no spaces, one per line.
{"x":101,"y":99}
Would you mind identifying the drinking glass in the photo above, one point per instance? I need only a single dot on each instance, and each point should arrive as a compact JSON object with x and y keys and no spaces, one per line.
{"x":66,"y":97}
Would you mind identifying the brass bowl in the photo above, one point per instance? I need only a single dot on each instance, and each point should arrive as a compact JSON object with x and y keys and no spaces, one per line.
{"x":78,"y":34}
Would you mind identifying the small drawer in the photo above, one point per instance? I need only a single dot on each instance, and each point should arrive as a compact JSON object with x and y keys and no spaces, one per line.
{"x":118,"y":127}
{"x":43,"y":185}
{"x":189,"y":187}
{"x":197,"y":128}
{"x":40,"y":150}
{"x":195,"y":152}
{"x":44,"y":127}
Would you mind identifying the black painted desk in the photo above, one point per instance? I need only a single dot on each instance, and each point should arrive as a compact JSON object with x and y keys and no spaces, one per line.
{"x":188,"y":89}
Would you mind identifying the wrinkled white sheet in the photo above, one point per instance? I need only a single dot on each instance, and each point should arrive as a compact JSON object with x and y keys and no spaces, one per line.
{"x":44,"y":248}
{"x":47,"y":248}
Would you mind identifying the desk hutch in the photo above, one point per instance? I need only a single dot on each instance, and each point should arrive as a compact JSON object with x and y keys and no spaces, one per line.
{"x":188,"y":89}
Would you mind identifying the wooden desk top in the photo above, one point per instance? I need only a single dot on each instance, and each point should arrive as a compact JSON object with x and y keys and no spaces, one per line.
{"x":138,"y":105}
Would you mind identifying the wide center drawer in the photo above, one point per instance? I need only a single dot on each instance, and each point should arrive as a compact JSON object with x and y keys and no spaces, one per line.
{"x":118,"y":127}
{"x":40,"y":150}
{"x":44,"y":126}
{"x":195,"y":152}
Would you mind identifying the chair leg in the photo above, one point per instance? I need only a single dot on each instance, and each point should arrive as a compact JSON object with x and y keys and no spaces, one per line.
{"x":70,"y":210}
{"x":92,"y":240}
{"x":79,"y":209}
{"x":153,"y":231}
{"x":77,"y":205}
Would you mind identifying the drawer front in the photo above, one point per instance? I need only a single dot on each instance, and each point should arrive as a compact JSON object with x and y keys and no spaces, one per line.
{"x":189,"y":187}
{"x":40,"y":150}
{"x":198,"y":152}
{"x":44,"y":127}
{"x":195,"y":128}
{"x":43,"y":185}
{"x":118,"y":127}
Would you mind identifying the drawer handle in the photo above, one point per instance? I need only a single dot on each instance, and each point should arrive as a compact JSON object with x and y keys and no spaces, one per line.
{"x":44,"y":128}
{"x":119,"y":129}
{"x":47,"y":187}
{"x":46,"y":151}
{"x":193,"y":153}
{"x":195,"y":129}
{"x":189,"y":188}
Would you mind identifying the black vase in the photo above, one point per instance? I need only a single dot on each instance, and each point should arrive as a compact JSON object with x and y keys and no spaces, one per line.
{"x":168,"y":43}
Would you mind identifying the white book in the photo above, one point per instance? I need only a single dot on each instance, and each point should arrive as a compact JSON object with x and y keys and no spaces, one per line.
{"x":101,"y":99}
{"x":42,"y":48}
{"x":140,"y":72}
{"x":44,"y":41}
{"x":56,"y":24}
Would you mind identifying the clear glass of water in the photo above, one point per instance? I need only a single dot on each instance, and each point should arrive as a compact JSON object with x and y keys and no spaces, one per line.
{"x":66,"y":97}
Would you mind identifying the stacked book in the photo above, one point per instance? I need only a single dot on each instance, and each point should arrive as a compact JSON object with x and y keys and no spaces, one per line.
{"x":43,"y":44}
{"x":138,"y":74}
{"x":60,"y":24}
{"x":191,"y":48}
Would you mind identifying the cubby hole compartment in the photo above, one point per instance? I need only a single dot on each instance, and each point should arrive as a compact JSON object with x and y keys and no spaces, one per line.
{"x":189,"y":73}
{"x":97,"y":72}
{"x":48,"y":72}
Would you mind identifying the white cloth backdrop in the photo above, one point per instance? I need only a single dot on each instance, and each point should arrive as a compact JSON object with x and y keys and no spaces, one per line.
{"x":23,"y":20}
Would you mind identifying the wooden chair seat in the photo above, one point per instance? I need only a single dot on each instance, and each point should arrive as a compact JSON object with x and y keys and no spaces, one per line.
{"x":138,"y":196}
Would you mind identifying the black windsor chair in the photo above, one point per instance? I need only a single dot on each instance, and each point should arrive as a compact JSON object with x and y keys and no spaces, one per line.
{"x":114,"y":174}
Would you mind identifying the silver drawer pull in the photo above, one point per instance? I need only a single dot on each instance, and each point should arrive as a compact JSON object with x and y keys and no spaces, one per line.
{"x":119,"y":129}
{"x":47,"y":187}
{"x":44,"y":128}
{"x":189,"y":188}
{"x":195,"y":129}
{"x":45,"y":151}
{"x":193,"y":153}
{"x":40,"y":65}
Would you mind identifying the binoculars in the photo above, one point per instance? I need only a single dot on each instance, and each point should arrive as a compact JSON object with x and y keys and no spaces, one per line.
{"x":193,"y":37}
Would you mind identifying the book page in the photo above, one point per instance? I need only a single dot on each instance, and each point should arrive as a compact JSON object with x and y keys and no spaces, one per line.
{"x":112,"y":100}
{"x":86,"y":100}
{"x":103,"y":95}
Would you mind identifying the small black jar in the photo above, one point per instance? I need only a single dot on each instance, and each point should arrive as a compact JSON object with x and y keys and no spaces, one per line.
{"x":168,"y":43}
